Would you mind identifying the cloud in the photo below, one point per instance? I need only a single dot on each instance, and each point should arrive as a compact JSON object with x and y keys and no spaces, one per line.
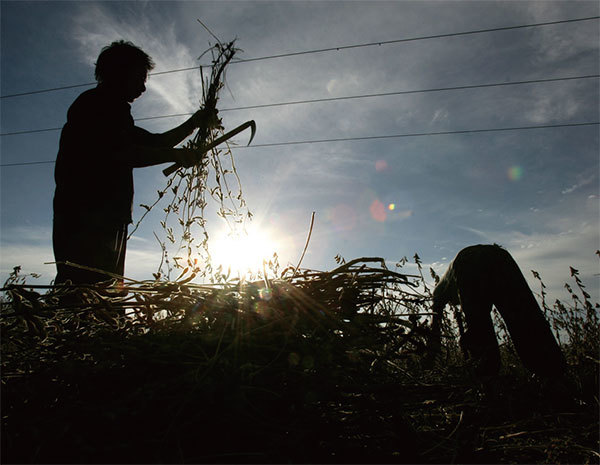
{"x":484,"y":235}
{"x":345,"y":85}
{"x":439,"y":115}
{"x":31,"y":258}
{"x":561,"y":105}
{"x":583,"y":182}
{"x":27,"y":234}
{"x":556,"y":45}
{"x":551,"y":254}
{"x":549,"y":240}
{"x":548,"y":254}
{"x":141,"y":262}
{"x":31,"y":249}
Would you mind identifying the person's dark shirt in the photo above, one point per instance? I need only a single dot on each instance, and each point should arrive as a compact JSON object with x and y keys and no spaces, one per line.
{"x":93,"y":183}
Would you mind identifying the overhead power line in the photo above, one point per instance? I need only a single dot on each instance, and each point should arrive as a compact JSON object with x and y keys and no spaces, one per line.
{"x":335,"y":49}
{"x":348,"y":97}
{"x":423,"y":134}
{"x":387,"y":136}
{"x":413,"y":39}
{"x":29,"y":131}
{"x":417,"y":91}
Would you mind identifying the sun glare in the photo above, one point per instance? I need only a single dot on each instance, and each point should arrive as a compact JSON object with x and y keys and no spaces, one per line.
{"x":243,"y":254}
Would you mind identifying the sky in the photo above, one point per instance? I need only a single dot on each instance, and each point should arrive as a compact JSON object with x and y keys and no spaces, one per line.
{"x":534,"y":191}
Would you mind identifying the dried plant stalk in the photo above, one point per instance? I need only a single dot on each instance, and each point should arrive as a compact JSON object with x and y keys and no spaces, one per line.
{"x":184,"y":240}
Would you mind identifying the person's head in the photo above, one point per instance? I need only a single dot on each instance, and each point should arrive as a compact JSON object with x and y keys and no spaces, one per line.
{"x":124,"y":67}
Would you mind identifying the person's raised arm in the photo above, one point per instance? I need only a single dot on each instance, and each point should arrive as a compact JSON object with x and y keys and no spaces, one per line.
{"x":202,"y":118}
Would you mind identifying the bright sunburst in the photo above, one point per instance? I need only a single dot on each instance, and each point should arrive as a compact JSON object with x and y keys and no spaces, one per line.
{"x":242,"y":254}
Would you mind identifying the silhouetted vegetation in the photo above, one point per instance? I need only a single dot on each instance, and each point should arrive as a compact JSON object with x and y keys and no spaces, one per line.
{"x":308,"y":367}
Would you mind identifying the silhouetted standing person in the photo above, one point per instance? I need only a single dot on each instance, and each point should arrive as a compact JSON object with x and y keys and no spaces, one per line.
{"x":99,"y":147}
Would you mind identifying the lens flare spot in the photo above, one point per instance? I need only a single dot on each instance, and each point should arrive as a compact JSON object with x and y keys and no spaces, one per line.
{"x":377,"y":210}
{"x":381,"y":165}
{"x":265,"y":294}
{"x":343,"y":217}
{"x":515,"y":173}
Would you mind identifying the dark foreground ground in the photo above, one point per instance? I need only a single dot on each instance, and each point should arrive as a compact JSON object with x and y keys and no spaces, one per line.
{"x":321,"y":369}
{"x":180,"y":398}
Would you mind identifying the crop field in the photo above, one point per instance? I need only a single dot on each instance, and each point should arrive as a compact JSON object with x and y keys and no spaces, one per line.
{"x":308,"y":367}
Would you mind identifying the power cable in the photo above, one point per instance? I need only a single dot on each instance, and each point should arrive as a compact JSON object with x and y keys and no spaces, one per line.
{"x":422,"y":134}
{"x":348,"y":97}
{"x":407,"y":92}
{"x":335,"y":49}
{"x":389,"y":136}
{"x":412,"y":39}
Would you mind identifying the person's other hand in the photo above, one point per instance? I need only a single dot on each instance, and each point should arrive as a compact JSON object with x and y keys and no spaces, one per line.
{"x":186,"y":157}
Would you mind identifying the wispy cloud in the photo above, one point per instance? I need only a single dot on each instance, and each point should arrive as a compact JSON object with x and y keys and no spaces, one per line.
{"x":552,"y":44}
{"x":561,"y":105}
{"x":583,"y":182}
{"x":552,"y":254}
{"x":31,"y":249}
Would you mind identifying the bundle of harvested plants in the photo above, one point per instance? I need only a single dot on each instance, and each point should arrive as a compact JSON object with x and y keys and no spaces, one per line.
{"x":184,"y":240}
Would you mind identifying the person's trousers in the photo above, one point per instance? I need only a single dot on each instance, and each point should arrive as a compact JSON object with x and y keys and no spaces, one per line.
{"x":101,"y":247}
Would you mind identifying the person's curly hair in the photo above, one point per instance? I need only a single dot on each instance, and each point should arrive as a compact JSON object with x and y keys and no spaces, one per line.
{"x":116,"y":59}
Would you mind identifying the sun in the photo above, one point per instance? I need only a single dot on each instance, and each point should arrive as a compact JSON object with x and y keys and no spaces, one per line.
{"x":242,"y":254}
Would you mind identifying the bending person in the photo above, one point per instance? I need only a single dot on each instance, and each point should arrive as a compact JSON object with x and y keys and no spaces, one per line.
{"x":482,"y":276}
